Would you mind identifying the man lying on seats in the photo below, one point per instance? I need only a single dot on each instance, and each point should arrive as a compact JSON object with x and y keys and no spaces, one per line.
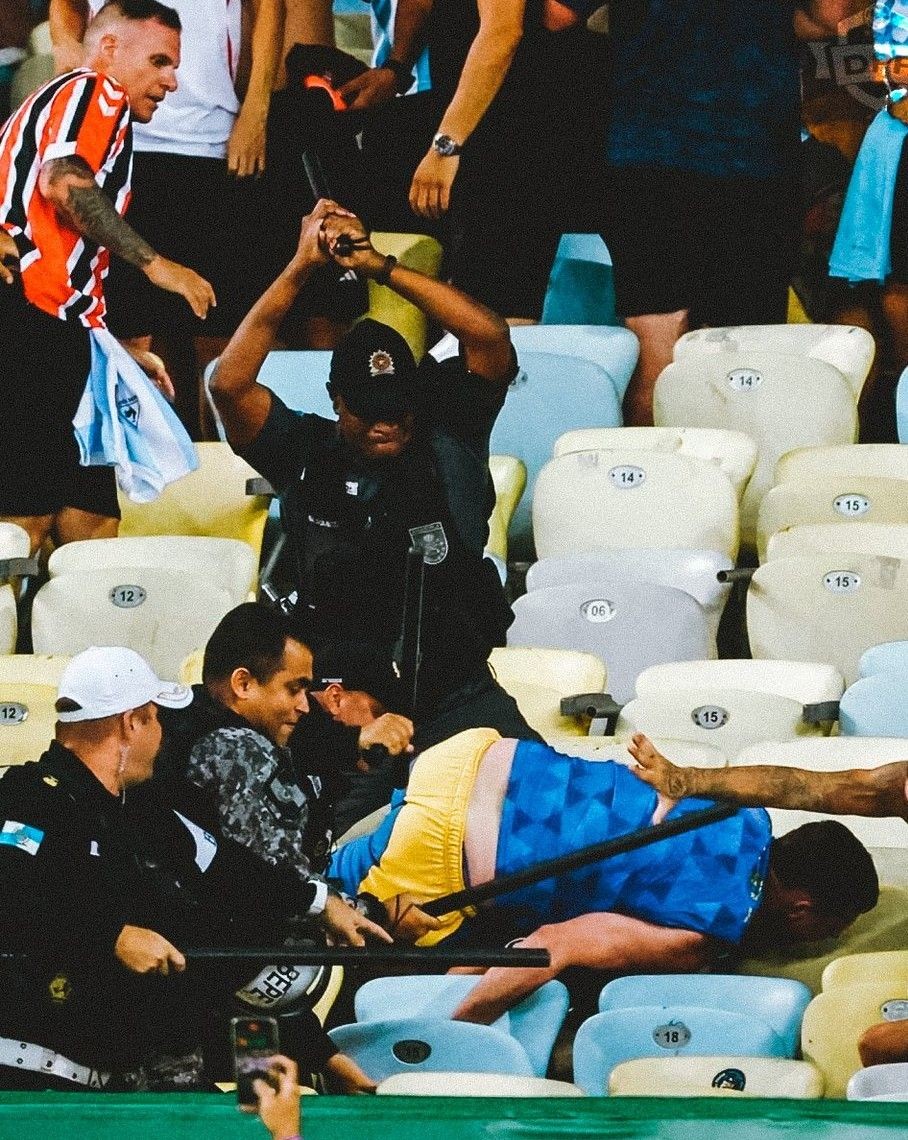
{"x":102,"y":890}
{"x":478,"y":806}
{"x":881,"y":791}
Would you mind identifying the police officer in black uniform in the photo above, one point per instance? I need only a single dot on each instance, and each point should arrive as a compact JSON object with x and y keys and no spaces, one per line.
{"x":97,"y":900}
{"x":405,"y":463}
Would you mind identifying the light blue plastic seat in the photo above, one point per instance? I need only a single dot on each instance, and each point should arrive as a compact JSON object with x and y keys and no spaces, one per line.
{"x":901,"y":407}
{"x":888,"y":657}
{"x":779,"y":1002}
{"x":382,"y":1048}
{"x":629,"y":625}
{"x":298,"y":377}
{"x":605,"y":1040}
{"x":552,"y":393}
{"x":581,"y":289}
{"x":875,"y":706}
{"x":534,"y":1022}
{"x":614,"y":349}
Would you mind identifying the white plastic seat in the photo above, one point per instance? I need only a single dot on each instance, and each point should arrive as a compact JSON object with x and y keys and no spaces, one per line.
{"x":849,"y":348}
{"x":629,"y":627}
{"x":834,"y":754}
{"x":474,"y":1084}
{"x":807,"y":682}
{"x":842,"y":500}
{"x":228,"y":563}
{"x":9,"y":621}
{"x":880,"y":1082}
{"x":162,"y":614}
{"x":614,"y":349}
{"x":883,"y":460}
{"x":890,"y":539}
{"x":834,"y":1022}
{"x":606,"y":500}
{"x":855,"y":969}
{"x":827,"y":607}
{"x":509,"y":477}
{"x":686,"y":753}
{"x":726,"y":1075}
{"x":781,"y":402}
{"x":14,"y":541}
{"x":731,"y":451}
{"x":538,"y":678}
{"x":27,"y":719}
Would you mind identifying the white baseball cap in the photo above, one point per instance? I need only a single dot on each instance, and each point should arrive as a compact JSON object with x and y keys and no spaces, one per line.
{"x":106,"y":680}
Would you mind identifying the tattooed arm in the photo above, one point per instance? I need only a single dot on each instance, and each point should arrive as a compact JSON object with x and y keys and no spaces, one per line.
{"x":69,"y":185}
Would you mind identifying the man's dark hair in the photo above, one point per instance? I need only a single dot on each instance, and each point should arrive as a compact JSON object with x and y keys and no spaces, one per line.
{"x":147,"y":10}
{"x":253,"y":637}
{"x":831,"y":864}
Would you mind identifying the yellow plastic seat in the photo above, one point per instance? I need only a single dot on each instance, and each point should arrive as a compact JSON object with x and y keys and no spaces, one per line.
{"x":474,"y":1084}
{"x":781,"y":402}
{"x":225,"y":562}
{"x":827,"y":607}
{"x":840,"y":500}
{"x":509,"y":475}
{"x":716,"y":1076}
{"x":9,"y":621}
{"x":601,"y":500}
{"x":835,"y":1020}
{"x":27,"y":719}
{"x":855,"y":969}
{"x":32,"y":669}
{"x":415,"y":251}
{"x":847,"y":347}
{"x":537,"y":679}
{"x":731,"y":451}
{"x":834,"y":754}
{"x":191,"y":668}
{"x":889,"y":539}
{"x":210,"y":502}
{"x":162,"y":614}
{"x":883,"y":460}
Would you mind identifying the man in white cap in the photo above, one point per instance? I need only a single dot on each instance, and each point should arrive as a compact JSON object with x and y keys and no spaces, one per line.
{"x":87,"y":892}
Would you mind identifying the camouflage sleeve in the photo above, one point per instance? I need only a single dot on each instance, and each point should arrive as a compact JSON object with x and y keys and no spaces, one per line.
{"x":259,"y":803}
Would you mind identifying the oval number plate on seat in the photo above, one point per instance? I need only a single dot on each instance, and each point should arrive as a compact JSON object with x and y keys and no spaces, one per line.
{"x":851,"y":506}
{"x":674,"y":1035}
{"x":127,"y":597}
{"x":626,"y":477}
{"x":598,"y":610}
{"x":842,"y":581}
{"x":709,"y":716}
{"x":11,"y":712}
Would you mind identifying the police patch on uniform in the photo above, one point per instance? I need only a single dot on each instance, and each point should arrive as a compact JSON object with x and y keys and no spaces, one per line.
{"x":433,"y":541}
{"x":20,"y":835}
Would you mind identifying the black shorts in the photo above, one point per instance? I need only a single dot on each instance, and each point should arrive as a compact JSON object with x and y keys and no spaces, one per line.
{"x":44,"y":367}
{"x":722,"y":248}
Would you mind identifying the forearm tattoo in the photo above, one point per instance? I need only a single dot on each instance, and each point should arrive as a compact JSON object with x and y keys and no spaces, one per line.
{"x":93,"y":214}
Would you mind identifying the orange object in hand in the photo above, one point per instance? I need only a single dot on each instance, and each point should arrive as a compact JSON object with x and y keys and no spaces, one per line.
{"x":337,"y":100}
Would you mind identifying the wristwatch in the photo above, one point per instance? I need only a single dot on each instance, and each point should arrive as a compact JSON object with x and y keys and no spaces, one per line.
{"x":446,"y":146}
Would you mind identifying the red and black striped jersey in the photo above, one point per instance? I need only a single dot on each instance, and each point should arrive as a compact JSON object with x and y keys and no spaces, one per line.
{"x":81,"y":113}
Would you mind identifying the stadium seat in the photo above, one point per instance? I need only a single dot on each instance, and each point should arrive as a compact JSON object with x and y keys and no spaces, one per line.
{"x":162,"y":614}
{"x":539,"y":678}
{"x":551,"y":394}
{"x":297,"y":376}
{"x":875,"y":706}
{"x":509,"y":476}
{"x":838,"y":500}
{"x":606,"y":1039}
{"x":415,"y":251}
{"x":211,"y":502}
{"x":694,"y":571}
{"x":14,"y":541}
{"x":581,"y":288}
{"x":827,"y":607}
{"x":27,"y":719}
{"x":882,"y":460}
{"x":474,"y":1084}
{"x":834,"y":754}
{"x":15,"y":563}
{"x":614,"y":349}
{"x":835,"y":1020}
{"x":847,"y":347}
{"x":808,"y":682}
{"x":855,"y":969}
{"x":32,"y":669}
{"x":604,"y":500}
{"x":9,"y":622}
{"x":225,"y":562}
{"x":779,"y":1002}
{"x":534,"y":1022}
{"x":682,"y":752}
{"x":731,"y":451}
{"x":781,"y":402}
{"x":888,"y":657}
{"x":880,"y":1082}
{"x":409,"y":1045}
{"x":629,"y":628}
{"x":901,"y":407}
{"x":890,"y":539}
{"x":725,"y":1075}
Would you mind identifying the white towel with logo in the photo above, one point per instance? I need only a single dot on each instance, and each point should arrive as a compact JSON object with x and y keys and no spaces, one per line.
{"x":123,"y":421}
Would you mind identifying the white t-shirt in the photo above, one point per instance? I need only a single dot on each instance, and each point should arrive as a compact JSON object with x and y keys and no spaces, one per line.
{"x":198,"y":117}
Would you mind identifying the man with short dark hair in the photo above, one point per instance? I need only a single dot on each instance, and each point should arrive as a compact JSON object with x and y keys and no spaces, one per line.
{"x":65,"y":162}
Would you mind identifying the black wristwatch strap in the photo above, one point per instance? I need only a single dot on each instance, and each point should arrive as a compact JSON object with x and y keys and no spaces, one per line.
{"x":384,"y":274}
{"x":403,"y":74}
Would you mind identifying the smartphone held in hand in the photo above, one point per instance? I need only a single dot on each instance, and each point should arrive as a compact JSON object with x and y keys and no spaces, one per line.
{"x":255,"y":1044}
